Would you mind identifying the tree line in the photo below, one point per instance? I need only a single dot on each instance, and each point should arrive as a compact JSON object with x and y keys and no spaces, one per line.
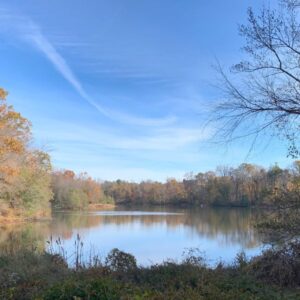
{"x":246,"y":185}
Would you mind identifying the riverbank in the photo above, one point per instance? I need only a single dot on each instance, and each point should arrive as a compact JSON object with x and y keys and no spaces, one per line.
{"x":30,"y":275}
{"x":16,"y":216}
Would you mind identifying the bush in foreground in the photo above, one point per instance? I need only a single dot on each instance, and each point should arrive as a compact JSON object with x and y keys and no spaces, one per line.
{"x":29,"y":275}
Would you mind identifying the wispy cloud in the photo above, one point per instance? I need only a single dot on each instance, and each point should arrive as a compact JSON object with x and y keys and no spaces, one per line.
{"x":166,"y":139}
{"x":31,"y":33}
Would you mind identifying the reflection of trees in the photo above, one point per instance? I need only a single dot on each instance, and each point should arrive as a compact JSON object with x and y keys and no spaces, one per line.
{"x":228,"y":225}
{"x":23,"y":236}
{"x":64,"y":224}
{"x":231,"y":225}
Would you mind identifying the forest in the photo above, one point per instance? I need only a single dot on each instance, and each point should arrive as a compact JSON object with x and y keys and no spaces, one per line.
{"x":246,"y":185}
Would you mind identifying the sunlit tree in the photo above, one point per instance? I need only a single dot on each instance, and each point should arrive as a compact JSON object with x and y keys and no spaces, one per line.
{"x":24,"y":172}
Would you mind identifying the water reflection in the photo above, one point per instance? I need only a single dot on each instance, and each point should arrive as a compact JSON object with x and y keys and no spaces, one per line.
{"x":151,"y":234}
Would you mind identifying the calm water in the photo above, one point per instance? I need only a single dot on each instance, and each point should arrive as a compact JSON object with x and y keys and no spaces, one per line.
{"x":152,"y":235}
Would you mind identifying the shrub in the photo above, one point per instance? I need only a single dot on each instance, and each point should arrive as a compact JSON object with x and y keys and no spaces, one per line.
{"x":280,"y":267}
{"x":118,"y":260}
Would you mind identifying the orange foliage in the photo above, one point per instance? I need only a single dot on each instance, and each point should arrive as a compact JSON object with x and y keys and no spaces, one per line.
{"x":68,"y":174}
{"x":66,"y":185}
{"x":14,"y":136}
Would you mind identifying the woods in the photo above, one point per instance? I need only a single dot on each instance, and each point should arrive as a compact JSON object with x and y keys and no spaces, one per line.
{"x":76,"y":192}
{"x":246,"y":185}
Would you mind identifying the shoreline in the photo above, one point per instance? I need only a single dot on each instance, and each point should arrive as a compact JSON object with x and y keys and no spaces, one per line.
{"x":11,"y":217}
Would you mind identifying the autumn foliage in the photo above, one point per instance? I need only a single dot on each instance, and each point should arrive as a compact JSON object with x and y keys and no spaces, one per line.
{"x":24,"y":172}
{"x":246,"y":185}
{"x":73,"y":191}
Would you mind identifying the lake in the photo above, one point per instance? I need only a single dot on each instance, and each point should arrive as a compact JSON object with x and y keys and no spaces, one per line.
{"x":152,"y":235}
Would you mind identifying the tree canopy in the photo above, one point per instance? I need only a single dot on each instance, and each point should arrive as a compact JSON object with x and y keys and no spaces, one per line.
{"x":24,"y":171}
{"x":263,"y":90}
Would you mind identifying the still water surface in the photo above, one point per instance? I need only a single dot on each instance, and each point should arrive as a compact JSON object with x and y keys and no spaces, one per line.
{"x":152,"y":234}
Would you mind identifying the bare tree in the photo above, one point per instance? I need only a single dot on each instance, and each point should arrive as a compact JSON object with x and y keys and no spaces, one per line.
{"x":263,"y":91}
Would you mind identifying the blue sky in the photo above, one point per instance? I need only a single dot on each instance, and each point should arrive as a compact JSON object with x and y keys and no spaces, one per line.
{"x":122,"y":88}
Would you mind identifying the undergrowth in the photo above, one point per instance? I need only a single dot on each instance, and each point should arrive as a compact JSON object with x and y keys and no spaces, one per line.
{"x":29,"y":274}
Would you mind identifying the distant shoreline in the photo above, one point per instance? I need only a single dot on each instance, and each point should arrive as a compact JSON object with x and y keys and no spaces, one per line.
{"x":11,"y":218}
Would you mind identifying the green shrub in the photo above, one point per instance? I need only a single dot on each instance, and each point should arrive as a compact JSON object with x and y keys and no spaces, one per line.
{"x":100,"y":289}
